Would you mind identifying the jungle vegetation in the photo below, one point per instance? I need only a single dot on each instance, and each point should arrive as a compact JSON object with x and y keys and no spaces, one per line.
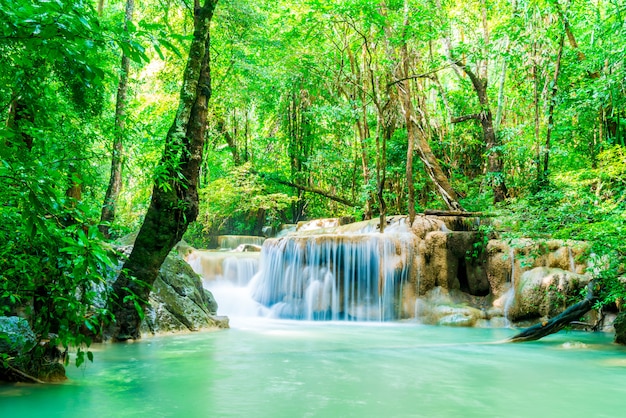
{"x":513,"y":108}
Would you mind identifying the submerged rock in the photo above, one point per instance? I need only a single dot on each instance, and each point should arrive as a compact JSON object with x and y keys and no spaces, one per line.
{"x":438,"y":307}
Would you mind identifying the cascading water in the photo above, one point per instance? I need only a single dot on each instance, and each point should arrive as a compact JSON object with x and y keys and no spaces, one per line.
{"x":230,"y":242}
{"x":572,"y":261}
{"x":510,"y":294}
{"x":353,"y":276}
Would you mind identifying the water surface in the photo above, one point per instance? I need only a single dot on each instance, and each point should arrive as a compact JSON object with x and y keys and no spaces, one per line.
{"x":270,"y":368}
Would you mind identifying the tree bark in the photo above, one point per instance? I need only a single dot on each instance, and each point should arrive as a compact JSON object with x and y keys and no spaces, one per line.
{"x":107,"y":215}
{"x":416,"y":137}
{"x":361,"y":122}
{"x":230,"y":141}
{"x":174,"y":202}
{"x":495,"y":172}
{"x":19,"y":118}
{"x":573,"y":313}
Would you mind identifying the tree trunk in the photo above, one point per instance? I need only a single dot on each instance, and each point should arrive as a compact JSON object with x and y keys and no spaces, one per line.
{"x":543,"y":173}
{"x":19,"y":119}
{"x":479,"y":79}
{"x":495,"y":173}
{"x":230,"y":141}
{"x":417,"y":138}
{"x":115,"y":181}
{"x":174,"y":202}
{"x":361,"y":121}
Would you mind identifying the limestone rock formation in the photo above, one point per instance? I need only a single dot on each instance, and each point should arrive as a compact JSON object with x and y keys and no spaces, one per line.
{"x":544,"y":292}
{"x":178,"y":302}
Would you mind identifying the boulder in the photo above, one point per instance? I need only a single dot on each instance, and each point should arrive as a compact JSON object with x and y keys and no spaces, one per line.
{"x":16,"y":336}
{"x":440,"y":307}
{"x":544,"y":292}
{"x":620,"y":328}
{"x":17,"y":341}
{"x":178,"y":302}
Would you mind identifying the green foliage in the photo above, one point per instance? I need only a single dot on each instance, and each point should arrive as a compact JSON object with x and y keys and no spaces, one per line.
{"x":479,"y":246}
{"x":585,"y":205}
{"x":293,"y":83}
{"x":237,"y":203}
{"x":54,"y":267}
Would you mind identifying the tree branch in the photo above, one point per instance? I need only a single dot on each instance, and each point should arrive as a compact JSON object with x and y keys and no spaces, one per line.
{"x":477,"y":116}
{"x":309,"y":189}
{"x":423,"y":75}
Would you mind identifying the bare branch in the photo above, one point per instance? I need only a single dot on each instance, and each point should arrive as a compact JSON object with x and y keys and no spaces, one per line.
{"x":477,"y":116}
{"x":423,"y":75}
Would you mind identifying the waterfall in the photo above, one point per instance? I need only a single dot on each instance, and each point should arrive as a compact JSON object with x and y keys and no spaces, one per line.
{"x":572,"y":262}
{"x":229,"y":242}
{"x":509,"y":296}
{"x":350,"y":276}
{"x":236,"y":268}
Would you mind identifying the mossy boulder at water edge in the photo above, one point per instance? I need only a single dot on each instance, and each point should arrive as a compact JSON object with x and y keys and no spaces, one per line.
{"x":178,"y":302}
{"x":22,"y":359}
{"x":16,"y":337}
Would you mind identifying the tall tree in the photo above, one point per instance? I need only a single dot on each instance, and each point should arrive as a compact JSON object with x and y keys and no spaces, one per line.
{"x":416,"y":133}
{"x":480,"y":80}
{"x":115,"y":181}
{"x":174,"y":202}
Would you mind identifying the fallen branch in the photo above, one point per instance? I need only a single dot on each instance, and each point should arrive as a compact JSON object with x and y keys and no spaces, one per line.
{"x":571,"y":314}
{"x":433,"y":212}
{"x":477,"y":116}
{"x":310,"y":190}
{"x":25,"y":376}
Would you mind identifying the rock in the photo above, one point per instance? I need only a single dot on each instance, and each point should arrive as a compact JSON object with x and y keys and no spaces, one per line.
{"x":178,"y":302}
{"x":17,"y":340}
{"x":248,"y":248}
{"x":440,"y":307}
{"x":457,"y":320}
{"x":16,"y":337}
{"x":459,"y":316}
{"x":545,"y":292}
{"x":620,"y":328}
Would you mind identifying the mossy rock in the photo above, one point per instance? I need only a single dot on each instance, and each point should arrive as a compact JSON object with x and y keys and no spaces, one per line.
{"x":178,"y":302}
{"x":620,"y":328}
{"x":16,"y":337}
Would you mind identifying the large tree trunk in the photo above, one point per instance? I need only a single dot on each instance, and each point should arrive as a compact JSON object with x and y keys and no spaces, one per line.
{"x":115,"y":181}
{"x":174,"y":201}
